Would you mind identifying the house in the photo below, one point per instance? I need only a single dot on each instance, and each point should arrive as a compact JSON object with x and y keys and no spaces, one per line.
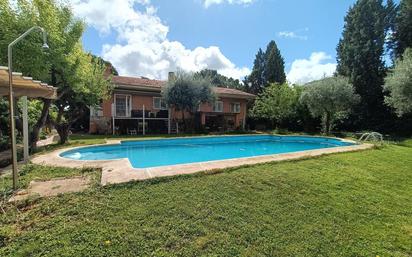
{"x":137,"y":107}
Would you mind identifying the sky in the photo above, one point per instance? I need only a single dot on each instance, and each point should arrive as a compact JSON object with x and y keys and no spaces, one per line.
{"x":152,"y":37}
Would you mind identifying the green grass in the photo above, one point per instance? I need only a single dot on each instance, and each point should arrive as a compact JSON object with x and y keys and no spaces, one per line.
{"x":350,"y":204}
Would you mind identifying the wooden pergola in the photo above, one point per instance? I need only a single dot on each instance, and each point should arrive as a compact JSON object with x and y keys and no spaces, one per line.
{"x":25,"y":87}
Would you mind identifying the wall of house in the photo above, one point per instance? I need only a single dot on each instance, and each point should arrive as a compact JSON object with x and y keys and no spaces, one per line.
{"x":208,"y":108}
{"x":137,"y":104}
{"x":107,"y":107}
{"x":139,"y":100}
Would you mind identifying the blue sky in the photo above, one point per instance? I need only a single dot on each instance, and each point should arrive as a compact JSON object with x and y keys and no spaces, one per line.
{"x":152,"y":37}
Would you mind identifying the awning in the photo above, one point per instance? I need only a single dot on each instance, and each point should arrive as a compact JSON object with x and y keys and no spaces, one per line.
{"x":25,"y":86}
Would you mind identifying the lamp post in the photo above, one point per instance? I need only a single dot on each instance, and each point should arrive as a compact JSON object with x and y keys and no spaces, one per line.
{"x":11,"y":98}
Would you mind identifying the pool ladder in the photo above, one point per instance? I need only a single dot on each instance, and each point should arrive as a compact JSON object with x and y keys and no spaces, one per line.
{"x":371,"y":136}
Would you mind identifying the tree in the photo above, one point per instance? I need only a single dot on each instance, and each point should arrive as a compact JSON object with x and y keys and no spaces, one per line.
{"x":186,"y":92}
{"x":60,"y":65}
{"x":399,"y":85}
{"x":86,"y":87}
{"x":276,"y":103}
{"x":256,"y":81}
{"x":218,"y":80}
{"x":359,"y":57}
{"x":391,"y":11}
{"x":329,"y":98}
{"x":402,"y":31}
{"x":274,"y":64}
{"x":268,"y":67}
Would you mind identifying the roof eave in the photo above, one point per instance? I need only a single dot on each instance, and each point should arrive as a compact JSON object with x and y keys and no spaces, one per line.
{"x":235,"y":96}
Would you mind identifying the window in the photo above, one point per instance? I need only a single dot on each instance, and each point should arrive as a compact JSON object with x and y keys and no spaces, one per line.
{"x":123,"y":104}
{"x":218,"y":106}
{"x":235,"y":107}
{"x":159,"y":103}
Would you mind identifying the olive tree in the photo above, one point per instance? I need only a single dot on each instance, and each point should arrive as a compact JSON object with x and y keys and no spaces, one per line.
{"x":276,"y":103}
{"x":186,"y":92}
{"x":330,"y":99}
{"x":65,"y":65}
{"x":399,"y":85}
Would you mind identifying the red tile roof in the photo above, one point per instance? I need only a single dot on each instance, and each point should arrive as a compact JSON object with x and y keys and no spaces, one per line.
{"x":145,"y":82}
{"x":133,"y":81}
{"x":231,"y":91}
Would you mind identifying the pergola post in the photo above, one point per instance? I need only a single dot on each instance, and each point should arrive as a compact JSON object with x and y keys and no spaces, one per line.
{"x":144,"y":122}
{"x":25,"y":130}
{"x":113,"y":120}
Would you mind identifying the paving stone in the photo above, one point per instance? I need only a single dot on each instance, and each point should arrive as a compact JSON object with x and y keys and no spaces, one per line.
{"x":52,"y":187}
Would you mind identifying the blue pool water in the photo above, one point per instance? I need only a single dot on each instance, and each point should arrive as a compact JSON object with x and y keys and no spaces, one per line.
{"x":153,"y":153}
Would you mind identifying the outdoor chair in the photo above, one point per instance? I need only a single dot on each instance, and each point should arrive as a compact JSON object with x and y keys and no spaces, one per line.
{"x":131,"y":132}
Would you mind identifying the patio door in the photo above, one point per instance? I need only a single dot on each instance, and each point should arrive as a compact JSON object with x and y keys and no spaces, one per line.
{"x":123,"y":105}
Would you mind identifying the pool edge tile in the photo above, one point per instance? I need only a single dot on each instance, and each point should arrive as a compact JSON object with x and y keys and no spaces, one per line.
{"x":121,"y":170}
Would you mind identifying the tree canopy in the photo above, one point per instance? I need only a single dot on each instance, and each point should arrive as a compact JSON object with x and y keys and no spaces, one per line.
{"x":399,"y":84}
{"x":268,"y":67}
{"x":402,"y":28}
{"x":186,"y":92}
{"x":329,"y":98}
{"x":274,"y":64}
{"x":218,"y":80}
{"x":66,"y":65}
{"x":275,"y":103}
{"x":359,"y":57}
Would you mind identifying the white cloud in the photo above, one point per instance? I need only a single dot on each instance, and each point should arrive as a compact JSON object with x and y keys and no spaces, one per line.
{"x":292,"y":35}
{"x":142,"y":47}
{"x":306,"y":70}
{"x":207,"y":3}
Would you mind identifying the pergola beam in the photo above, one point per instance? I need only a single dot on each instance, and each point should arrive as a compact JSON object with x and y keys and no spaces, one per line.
{"x":25,"y":87}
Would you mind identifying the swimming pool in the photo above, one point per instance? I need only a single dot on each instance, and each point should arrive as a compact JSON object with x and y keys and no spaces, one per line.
{"x":164,"y":152}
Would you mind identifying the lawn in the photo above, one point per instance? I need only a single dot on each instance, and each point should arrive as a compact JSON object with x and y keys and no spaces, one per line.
{"x":349,"y":204}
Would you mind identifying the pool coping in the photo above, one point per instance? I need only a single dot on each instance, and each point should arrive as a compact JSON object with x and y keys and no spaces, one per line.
{"x":121,"y":171}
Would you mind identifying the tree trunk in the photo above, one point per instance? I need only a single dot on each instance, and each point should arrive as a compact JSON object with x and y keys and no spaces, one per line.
{"x":39,"y":124}
{"x":273,"y":125}
{"x":184,"y":120}
{"x":34,"y":137}
{"x":327,"y":124}
{"x":193,"y":121}
{"x":63,"y":131}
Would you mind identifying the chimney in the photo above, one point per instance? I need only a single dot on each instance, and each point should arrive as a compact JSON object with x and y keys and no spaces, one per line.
{"x":171,"y":76}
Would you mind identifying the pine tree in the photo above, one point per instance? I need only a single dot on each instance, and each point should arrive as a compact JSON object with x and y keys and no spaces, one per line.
{"x":274,"y":65}
{"x":402,"y":34}
{"x":268,"y":67}
{"x":391,"y":11}
{"x":256,"y":81}
{"x":359,"y":57}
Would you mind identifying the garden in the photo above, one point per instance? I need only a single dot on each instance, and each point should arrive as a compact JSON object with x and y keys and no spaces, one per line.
{"x":344,"y":204}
